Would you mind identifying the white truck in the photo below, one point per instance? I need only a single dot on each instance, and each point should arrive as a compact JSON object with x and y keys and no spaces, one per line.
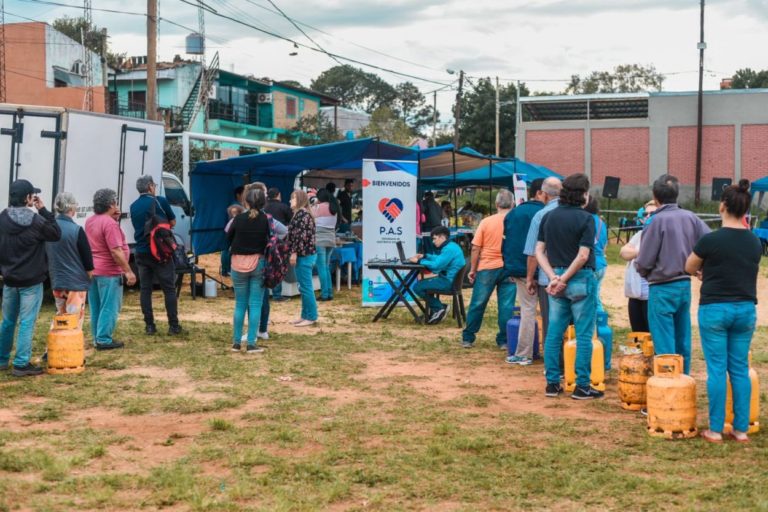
{"x":60,"y":149}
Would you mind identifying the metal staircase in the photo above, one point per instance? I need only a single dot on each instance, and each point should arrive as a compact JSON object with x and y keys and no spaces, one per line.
{"x":198,"y":96}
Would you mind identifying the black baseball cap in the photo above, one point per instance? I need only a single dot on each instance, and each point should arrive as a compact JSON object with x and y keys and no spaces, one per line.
{"x":22,"y":188}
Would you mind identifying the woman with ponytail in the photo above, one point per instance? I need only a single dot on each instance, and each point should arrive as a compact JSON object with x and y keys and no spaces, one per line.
{"x":727,"y":262}
{"x":248,"y":236}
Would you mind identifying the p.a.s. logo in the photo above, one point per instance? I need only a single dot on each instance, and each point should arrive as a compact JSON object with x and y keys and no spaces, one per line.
{"x":390,"y":208}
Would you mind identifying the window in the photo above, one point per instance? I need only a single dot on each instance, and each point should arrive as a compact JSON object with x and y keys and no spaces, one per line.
{"x":137,"y":100}
{"x":290,"y":107}
{"x":59,"y":83}
{"x":174,"y":193}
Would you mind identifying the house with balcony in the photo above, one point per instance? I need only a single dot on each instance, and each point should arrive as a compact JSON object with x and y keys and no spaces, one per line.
{"x":234,"y":106}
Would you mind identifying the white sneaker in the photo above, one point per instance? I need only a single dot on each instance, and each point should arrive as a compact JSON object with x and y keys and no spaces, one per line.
{"x":263,"y":335}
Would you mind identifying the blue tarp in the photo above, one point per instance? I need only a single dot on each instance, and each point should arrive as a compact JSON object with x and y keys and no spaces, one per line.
{"x":212,"y":183}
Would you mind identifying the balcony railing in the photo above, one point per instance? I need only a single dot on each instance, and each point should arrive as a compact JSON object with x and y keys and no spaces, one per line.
{"x":235,"y":113}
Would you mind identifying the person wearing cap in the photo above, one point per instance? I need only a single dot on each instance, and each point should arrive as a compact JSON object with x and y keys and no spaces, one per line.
{"x":345,"y":203}
{"x":23,"y":234}
{"x":149,"y":268}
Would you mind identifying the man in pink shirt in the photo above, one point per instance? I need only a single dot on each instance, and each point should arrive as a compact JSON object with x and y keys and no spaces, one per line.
{"x":110,"y":263}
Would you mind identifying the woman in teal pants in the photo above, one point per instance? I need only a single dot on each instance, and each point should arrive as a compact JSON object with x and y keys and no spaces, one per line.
{"x":727,"y":261}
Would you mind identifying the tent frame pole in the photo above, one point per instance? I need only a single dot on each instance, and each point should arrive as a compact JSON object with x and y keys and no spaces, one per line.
{"x":490,"y":181}
{"x":455,"y":195}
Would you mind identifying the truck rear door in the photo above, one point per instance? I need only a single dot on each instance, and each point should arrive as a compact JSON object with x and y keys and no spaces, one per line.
{"x":30,"y":149}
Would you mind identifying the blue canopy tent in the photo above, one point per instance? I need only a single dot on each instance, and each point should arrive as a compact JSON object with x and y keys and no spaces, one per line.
{"x":497,"y":173}
{"x":212,"y":182}
{"x":759,"y":187}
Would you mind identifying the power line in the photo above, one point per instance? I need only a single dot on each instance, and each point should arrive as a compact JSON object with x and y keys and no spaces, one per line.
{"x":59,"y":4}
{"x":302,"y":31}
{"x":354,"y":61}
{"x":406,"y":61}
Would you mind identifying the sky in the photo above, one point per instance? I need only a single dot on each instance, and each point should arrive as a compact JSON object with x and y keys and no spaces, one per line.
{"x":540,"y":42}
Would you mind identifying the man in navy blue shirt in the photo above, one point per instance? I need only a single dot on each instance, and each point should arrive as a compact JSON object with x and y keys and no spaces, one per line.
{"x":149,"y":267}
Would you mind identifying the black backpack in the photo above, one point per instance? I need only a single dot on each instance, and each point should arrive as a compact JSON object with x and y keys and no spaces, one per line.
{"x":162,"y":243}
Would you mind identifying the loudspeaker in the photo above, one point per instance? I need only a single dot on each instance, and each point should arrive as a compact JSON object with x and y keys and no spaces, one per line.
{"x":718,"y":185}
{"x":611,"y":187}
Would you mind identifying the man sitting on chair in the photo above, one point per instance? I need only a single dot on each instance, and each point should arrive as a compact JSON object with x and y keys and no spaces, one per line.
{"x":445,"y":263}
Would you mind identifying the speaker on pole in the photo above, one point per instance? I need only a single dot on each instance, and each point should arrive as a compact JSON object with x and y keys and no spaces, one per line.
{"x":718,"y":186}
{"x":611,"y":187}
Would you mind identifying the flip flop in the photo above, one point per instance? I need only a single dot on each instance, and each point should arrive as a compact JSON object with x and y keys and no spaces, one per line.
{"x":705,"y":434}
{"x":732,"y":435}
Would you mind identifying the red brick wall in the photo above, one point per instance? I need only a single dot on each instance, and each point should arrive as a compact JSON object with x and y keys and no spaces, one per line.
{"x":560,"y":150}
{"x":754,"y":151}
{"x":717,"y":158}
{"x":621,"y":152}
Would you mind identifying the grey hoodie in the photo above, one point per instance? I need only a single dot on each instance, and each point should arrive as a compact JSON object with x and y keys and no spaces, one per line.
{"x":667,"y":242}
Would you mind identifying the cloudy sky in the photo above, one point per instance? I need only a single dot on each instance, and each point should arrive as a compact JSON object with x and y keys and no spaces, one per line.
{"x":541,"y":42}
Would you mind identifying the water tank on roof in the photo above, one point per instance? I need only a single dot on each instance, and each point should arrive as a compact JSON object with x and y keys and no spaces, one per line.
{"x":195,"y":44}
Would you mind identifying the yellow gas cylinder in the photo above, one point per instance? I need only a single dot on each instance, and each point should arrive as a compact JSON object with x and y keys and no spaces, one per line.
{"x":634,"y":371}
{"x":597,"y":373}
{"x":671,"y":398}
{"x":66,"y":351}
{"x":636,"y":339}
{"x":754,"y":403}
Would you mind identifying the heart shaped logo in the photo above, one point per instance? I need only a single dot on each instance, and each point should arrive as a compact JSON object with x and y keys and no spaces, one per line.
{"x":391,"y":208}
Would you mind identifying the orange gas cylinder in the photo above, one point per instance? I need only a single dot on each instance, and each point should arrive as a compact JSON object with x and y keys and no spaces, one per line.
{"x":671,"y":398}
{"x":66,"y":350}
{"x":597,"y":373}
{"x":636,"y":339}
{"x":634,"y":371}
{"x":754,"y":403}
{"x":570,"y":333}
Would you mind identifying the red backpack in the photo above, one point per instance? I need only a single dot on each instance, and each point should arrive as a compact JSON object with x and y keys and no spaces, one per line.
{"x":162,"y":243}
{"x":276,"y":257}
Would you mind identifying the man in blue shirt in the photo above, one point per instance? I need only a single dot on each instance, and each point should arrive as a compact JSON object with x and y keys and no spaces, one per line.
{"x":149,"y":267}
{"x":446,"y":263}
{"x":516,"y":226}
{"x":551,"y":188}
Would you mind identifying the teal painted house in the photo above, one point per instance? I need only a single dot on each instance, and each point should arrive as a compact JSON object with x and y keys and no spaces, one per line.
{"x":238,"y":106}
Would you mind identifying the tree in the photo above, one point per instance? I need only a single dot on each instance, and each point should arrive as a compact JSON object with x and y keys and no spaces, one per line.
{"x":173,"y":156}
{"x":412,"y":107}
{"x":75,"y":28}
{"x":624,"y":78}
{"x":478,"y":114}
{"x":315,"y":129}
{"x":355,"y":88}
{"x":388,"y":126}
{"x":749,"y":79}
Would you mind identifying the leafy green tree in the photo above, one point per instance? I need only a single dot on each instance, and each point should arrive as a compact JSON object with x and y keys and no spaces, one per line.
{"x":75,"y":28}
{"x":315,"y":129}
{"x":478,"y":114}
{"x":388,"y":126}
{"x":355,"y":88}
{"x":624,"y":78}
{"x":412,"y":106}
{"x":749,"y":79}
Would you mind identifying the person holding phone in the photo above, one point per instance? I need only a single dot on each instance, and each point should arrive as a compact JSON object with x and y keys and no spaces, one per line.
{"x":25,"y":227}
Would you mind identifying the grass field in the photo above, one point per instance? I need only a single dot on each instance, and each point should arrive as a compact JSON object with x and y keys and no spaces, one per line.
{"x":348,"y":416}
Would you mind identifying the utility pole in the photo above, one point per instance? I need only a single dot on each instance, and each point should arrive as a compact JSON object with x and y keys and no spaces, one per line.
{"x":457,"y":112}
{"x":3,"y":92}
{"x":87,"y":62}
{"x":699,"y":126}
{"x":104,"y":77}
{"x":151,"y":60}
{"x":434,"y":118}
{"x":498,"y":108}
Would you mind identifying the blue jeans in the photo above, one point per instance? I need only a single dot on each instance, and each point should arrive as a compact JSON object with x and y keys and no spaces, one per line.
{"x":264,"y":317}
{"x":726,"y":333}
{"x":249,"y":296}
{"x":304,"y":265}
{"x":506,"y":289}
{"x":20,"y":305}
{"x":324,"y":271}
{"x":669,"y":318}
{"x":277,"y":291}
{"x":106,"y":299}
{"x":599,"y":275}
{"x":577,"y":302}
{"x":226,"y":261}
{"x":424,"y":287}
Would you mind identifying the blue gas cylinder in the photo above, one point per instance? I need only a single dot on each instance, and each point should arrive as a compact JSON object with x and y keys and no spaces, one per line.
{"x":605,"y":335}
{"x":513,"y":331}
